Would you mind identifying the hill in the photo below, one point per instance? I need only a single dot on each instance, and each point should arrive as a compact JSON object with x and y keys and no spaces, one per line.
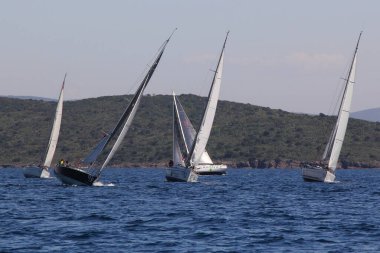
{"x":31,"y":97}
{"x":241,"y":132}
{"x":369,"y":114}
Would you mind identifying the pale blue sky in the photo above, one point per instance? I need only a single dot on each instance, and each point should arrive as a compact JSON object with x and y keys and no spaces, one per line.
{"x":280,"y":54}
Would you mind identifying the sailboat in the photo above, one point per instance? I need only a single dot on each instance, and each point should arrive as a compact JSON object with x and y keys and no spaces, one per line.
{"x":325,"y":171}
{"x":187,"y":134}
{"x":89,"y":175}
{"x":183,"y":170}
{"x":42,"y":170}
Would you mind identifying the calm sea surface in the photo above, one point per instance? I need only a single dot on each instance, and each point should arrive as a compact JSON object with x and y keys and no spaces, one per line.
{"x":248,"y":210}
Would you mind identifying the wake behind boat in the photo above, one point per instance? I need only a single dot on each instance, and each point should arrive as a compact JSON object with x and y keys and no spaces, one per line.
{"x":183,"y":170}
{"x":211,"y":169}
{"x":325,"y":171}
{"x":42,"y":171}
{"x":87,"y":176}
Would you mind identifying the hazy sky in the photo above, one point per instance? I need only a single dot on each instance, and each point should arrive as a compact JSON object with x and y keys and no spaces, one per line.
{"x":280,"y":54}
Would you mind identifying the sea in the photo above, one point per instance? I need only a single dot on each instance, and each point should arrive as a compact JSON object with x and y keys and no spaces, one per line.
{"x":247,"y":210}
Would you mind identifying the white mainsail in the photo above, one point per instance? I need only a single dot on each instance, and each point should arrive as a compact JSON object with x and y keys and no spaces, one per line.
{"x":187,"y":130}
{"x":55,"y":129}
{"x":177,"y":154}
{"x":336,"y":139}
{"x":198,"y":147}
{"x":344,"y":114}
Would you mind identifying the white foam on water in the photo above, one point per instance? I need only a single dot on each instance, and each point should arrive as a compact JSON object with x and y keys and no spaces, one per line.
{"x":98,"y":183}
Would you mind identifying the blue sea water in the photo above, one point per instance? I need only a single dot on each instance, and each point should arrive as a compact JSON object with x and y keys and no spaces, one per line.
{"x":135,"y":210}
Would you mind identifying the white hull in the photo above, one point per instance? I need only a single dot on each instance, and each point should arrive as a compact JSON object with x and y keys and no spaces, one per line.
{"x":35,"y":172}
{"x":181,"y":174}
{"x":211,"y":169}
{"x":317,"y":174}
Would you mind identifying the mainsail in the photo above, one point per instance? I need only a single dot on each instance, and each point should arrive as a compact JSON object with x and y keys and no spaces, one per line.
{"x":335,"y":143}
{"x":55,"y":129}
{"x":126,"y":118}
{"x":188,"y":130}
{"x":201,"y":138}
{"x":177,"y":134}
{"x":132,"y":108}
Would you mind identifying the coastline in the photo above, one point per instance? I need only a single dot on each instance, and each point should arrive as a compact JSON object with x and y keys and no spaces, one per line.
{"x":256,"y":164}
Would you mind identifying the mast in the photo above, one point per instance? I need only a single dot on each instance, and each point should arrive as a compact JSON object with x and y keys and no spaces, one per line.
{"x":50,"y":150}
{"x":336,"y":139}
{"x":204,"y":130}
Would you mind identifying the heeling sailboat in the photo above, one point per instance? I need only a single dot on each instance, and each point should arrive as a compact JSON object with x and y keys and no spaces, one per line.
{"x":42,"y":170}
{"x":187,"y":130}
{"x":184,"y":171}
{"x":325,"y":172}
{"x":87,"y":176}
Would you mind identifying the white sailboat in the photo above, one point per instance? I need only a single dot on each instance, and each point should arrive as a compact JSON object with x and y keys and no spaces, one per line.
{"x":325,"y":171}
{"x":184,"y":171}
{"x":42,"y":170}
{"x":187,"y":134}
{"x":89,"y":175}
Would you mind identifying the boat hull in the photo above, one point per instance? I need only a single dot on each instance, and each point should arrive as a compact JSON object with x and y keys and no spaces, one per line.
{"x":74,"y":176}
{"x":317,"y":174}
{"x":35,"y":172}
{"x":181,"y":174}
{"x":211,"y":169}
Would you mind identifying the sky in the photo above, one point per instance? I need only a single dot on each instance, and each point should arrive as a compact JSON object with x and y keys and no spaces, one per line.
{"x":288,"y":55}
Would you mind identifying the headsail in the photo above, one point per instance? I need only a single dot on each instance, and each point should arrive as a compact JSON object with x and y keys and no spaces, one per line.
{"x":201,"y":138}
{"x":336,"y":139}
{"x":55,"y":129}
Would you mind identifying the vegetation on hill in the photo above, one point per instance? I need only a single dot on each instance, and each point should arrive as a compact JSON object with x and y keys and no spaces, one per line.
{"x":242,"y":134}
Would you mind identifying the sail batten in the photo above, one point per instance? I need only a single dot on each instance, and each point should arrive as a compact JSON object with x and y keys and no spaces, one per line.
{"x":54,"y":135}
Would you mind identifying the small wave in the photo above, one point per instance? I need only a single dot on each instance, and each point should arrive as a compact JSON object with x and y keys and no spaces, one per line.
{"x":92,"y":217}
{"x":98,"y":183}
